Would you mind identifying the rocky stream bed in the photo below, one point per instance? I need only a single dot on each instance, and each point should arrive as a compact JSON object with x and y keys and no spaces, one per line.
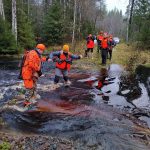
{"x":79,"y":117}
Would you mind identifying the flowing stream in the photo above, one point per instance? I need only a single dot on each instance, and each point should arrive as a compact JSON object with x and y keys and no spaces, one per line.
{"x":116,"y":118}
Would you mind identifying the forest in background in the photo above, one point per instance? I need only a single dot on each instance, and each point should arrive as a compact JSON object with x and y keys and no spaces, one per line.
{"x":23,"y":23}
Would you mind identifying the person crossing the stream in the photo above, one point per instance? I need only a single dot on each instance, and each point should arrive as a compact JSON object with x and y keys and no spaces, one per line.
{"x":63,"y":60}
{"x":31,"y":71}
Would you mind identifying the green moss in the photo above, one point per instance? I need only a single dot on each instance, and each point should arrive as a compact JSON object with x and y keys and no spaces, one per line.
{"x":147,"y":65}
{"x":5,"y":146}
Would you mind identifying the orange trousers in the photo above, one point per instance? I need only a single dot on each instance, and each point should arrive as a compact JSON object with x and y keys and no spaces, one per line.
{"x":29,"y":84}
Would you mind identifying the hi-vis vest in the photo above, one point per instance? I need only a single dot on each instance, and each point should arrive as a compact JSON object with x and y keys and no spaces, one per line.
{"x":63,"y":64}
{"x":104,"y":43}
{"x":100,"y":37}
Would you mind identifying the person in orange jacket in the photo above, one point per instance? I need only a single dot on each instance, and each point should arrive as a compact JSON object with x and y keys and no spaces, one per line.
{"x":31,"y":71}
{"x":20,"y":65}
{"x":99,"y":41}
{"x":104,"y":46}
{"x":90,"y":45}
{"x":63,"y":61}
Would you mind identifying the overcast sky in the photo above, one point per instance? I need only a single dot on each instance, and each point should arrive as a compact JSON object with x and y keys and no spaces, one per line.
{"x":119,"y":4}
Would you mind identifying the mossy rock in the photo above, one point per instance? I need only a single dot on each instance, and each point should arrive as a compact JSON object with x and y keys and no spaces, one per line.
{"x":12,"y":102}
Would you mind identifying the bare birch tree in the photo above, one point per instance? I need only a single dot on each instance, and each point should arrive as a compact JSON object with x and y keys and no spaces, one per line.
{"x":2,"y":9}
{"x":14,"y":19}
{"x":74,"y":22}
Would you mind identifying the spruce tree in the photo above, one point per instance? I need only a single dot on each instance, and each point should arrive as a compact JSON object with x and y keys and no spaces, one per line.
{"x":53,"y":25}
{"x":7,"y":40}
{"x":141,"y":21}
{"x":25,"y":32}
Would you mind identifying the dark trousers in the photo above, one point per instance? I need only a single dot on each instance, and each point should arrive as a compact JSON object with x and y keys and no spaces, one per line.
{"x":87,"y":51}
{"x":98,"y":48}
{"x":104,"y":55}
{"x":110,"y":54}
{"x":56,"y":79}
{"x":58,"y":73}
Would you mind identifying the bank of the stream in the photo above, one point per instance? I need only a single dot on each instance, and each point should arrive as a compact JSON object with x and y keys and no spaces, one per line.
{"x":123,"y":54}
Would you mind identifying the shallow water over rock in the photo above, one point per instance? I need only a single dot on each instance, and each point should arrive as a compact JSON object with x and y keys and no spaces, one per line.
{"x":94,"y":119}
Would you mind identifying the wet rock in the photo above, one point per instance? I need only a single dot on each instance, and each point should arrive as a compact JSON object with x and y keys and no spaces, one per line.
{"x":129,"y":87}
{"x":105,"y":98}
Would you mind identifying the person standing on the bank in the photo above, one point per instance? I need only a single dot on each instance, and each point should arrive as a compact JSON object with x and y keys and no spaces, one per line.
{"x":104,"y":46}
{"x":99,"y":41}
{"x":111,"y":44}
{"x":90,"y":45}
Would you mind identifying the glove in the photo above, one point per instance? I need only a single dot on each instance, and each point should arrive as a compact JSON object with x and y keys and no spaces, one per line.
{"x":39,"y":73}
{"x":60,"y":61}
{"x":80,"y":56}
{"x":47,"y":58}
{"x":69,"y":61}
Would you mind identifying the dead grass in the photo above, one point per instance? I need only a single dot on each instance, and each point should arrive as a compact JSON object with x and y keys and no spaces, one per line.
{"x":123,"y":53}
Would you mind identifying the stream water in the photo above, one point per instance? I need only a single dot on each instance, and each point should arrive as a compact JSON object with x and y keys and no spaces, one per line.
{"x":118,"y":118}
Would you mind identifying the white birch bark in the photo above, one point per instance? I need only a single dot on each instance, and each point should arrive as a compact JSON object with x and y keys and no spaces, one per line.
{"x":128,"y":18}
{"x":14,"y":19}
{"x":2,"y":9}
{"x":80,"y":20}
{"x":74,"y":22}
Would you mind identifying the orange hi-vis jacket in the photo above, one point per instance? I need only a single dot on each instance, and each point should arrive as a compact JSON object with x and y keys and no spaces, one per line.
{"x":104,"y":43}
{"x":63,"y":64}
{"x":32,"y":64}
{"x":100,"y":37}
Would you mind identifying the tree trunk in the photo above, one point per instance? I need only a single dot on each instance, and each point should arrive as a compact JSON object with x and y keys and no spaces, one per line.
{"x":129,"y":19}
{"x":28,"y":8}
{"x":64,"y":9}
{"x":80,"y":20}
{"x":127,"y":35}
{"x":2,"y":9}
{"x":74,"y":23}
{"x":14,"y":19}
{"x":131,"y":12}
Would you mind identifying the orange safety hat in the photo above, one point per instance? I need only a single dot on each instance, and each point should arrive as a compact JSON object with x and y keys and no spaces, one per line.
{"x":66,"y":48}
{"x":101,"y":32}
{"x":41,"y":47}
